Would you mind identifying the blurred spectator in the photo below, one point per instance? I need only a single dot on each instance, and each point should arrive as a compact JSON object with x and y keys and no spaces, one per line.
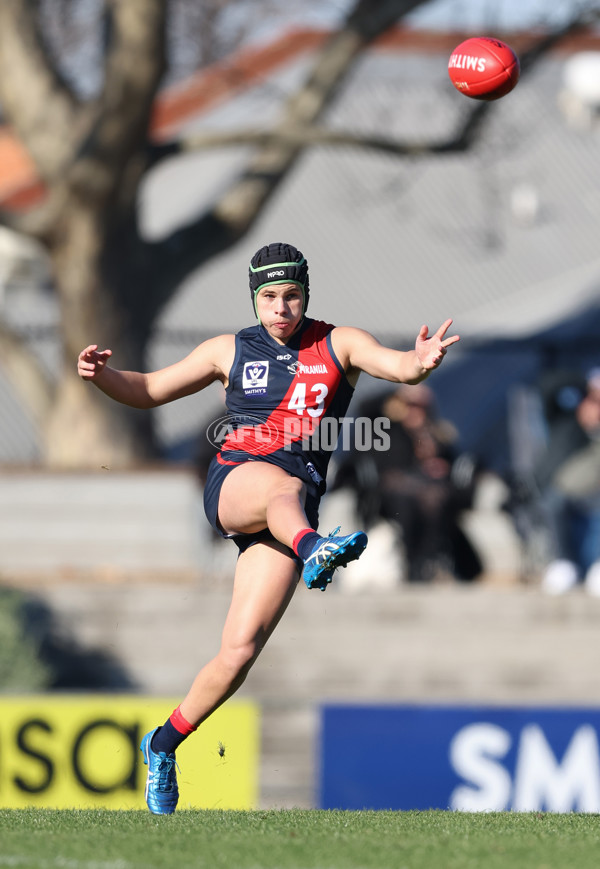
{"x":420,"y":484}
{"x":568,"y":478}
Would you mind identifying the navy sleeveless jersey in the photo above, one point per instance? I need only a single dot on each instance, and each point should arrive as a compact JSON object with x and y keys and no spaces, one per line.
{"x":286,"y":401}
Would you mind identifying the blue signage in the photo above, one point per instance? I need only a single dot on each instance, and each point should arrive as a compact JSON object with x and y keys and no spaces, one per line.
{"x":463,"y":758}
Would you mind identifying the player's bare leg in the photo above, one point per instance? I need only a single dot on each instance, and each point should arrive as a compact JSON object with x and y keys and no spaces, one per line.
{"x":265,"y":580}
{"x":257,"y":495}
{"x":254,"y":496}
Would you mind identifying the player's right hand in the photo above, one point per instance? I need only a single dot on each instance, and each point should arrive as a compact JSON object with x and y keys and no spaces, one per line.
{"x":91,"y":362}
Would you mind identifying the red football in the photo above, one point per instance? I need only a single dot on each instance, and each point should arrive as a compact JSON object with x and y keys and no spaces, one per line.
{"x":484,"y":68}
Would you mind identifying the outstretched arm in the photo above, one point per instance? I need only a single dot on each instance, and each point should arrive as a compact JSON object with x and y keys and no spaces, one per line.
{"x":360,"y":351}
{"x":210,"y":361}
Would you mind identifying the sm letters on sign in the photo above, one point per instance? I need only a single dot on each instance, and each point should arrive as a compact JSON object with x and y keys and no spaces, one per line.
{"x":469,"y":759}
{"x":541,"y":781}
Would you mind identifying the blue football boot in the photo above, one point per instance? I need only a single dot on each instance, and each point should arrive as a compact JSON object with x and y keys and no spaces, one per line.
{"x":161,"y":792}
{"x":329,"y":553}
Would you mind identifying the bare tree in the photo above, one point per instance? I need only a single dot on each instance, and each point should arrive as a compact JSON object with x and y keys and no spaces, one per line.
{"x":92,"y":154}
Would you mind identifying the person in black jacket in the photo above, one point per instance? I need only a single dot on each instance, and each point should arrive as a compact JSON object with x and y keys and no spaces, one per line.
{"x":420,"y":483}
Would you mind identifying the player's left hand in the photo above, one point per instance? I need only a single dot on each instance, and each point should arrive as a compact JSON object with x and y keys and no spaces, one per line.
{"x":431,"y":349}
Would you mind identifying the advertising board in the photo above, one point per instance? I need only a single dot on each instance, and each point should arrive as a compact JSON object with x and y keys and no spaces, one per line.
{"x":460,"y":757}
{"x":83,"y":752}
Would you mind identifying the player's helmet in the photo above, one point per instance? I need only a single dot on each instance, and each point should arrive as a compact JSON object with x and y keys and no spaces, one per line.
{"x":278,"y":263}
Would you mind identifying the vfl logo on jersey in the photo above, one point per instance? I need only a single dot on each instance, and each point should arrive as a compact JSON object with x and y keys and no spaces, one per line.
{"x":255,"y":378}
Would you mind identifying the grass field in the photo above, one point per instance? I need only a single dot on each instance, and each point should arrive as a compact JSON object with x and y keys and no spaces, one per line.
{"x":296,"y":839}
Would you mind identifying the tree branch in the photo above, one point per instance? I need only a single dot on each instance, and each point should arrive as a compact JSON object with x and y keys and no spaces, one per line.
{"x":301,"y":136}
{"x":84,"y":147}
{"x":39,"y":222}
{"x":137,"y":30}
{"x":313,"y":137}
{"x":529,"y":57}
{"x":370,"y":20}
{"x":240,"y":205}
{"x":232,"y":215}
{"x":46,"y":118}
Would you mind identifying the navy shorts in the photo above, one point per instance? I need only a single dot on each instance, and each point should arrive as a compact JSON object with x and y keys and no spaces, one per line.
{"x":212,"y":490}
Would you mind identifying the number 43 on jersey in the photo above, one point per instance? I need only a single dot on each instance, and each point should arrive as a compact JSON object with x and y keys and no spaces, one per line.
{"x":316,"y":407}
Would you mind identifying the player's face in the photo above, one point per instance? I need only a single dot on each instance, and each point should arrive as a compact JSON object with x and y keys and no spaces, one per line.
{"x":279,"y":308}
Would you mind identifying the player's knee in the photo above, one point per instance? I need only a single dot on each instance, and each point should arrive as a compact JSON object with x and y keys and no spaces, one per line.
{"x":292,"y":487}
{"x":238,"y":659}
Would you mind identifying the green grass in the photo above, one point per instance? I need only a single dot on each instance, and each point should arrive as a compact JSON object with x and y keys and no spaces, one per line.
{"x":296,"y":839}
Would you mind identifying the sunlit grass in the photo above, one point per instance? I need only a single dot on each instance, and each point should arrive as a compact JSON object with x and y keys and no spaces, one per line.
{"x":297,"y":839}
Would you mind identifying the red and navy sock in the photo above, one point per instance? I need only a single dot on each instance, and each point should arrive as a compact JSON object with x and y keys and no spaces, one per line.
{"x":304,"y":542}
{"x":175,"y":729}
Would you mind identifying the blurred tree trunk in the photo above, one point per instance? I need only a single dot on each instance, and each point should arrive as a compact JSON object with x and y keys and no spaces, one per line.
{"x":90,"y":157}
{"x":84,"y":428}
